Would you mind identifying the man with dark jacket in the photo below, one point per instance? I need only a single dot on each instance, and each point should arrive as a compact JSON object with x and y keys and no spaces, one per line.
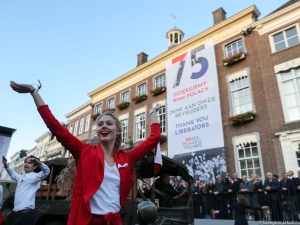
{"x":271,"y":186}
{"x":219,"y":199}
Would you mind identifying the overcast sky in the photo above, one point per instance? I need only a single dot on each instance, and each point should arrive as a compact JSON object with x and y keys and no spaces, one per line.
{"x":75,"y":46}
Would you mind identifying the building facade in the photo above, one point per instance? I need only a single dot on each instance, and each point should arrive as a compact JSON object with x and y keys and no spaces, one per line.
{"x":258,"y":70}
{"x":258,"y":74}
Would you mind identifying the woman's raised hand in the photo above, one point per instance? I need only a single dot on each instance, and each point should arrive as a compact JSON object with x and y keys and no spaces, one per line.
{"x":21,"y":88}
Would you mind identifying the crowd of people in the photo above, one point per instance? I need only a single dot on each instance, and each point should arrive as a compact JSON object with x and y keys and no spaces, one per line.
{"x":281,"y":194}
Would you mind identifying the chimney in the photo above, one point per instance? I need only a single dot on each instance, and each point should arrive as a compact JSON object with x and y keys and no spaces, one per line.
{"x":219,"y":15}
{"x":142,"y":58}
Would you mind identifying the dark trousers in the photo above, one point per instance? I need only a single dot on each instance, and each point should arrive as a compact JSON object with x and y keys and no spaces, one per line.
{"x":22,"y":218}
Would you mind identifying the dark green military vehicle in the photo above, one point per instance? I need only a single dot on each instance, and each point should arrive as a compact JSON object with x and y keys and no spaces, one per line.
{"x":52,"y":209}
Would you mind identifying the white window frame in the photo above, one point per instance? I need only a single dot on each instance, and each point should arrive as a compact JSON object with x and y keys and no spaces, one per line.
{"x":162,"y":116}
{"x":111,"y":103}
{"x":98,"y":108}
{"x":124,"y":130}
{"x":160,"y":81}
{"x":70,"y":129}
{"x":271,"y":37}
{"x":139,"y":112}
{"x":298,"y":158}
{"x":81,"y":126}
{"x":76,"y":128}
{"x":87,"y":123}
{"x":296,"y":94}
{"x":234,"y":51}
{"x":125,"y":96}
{"x":237,"y":77}
{"x":239,"y":142}
{"x":141,"y":89}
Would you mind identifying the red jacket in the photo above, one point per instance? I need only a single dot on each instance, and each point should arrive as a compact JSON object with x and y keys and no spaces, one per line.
{"x":90,"y":166}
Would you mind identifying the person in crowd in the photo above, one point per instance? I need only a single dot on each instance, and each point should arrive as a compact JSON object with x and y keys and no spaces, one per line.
{"x":165,"y":192}
{"x":220,"y":188}
{"x":256,"y":195}
{"x":276,"y":177}
{"x":290,"y":174}
{"x":244,"y":185}
{"x":27,"y":186}
{"x":210,"y":197}
{"x":176,"y":184}
{"x":232,"y":190}
{"x":287,"y":203}
{"x":271,"y":186}
{"x":232,"y":186}
{"x":240,"y":210}
{"x":244,"y":189}
{"x":183,"y":186}
{"x":104,"y":173}
{"x":296,"y":187}
{"x":236,"y":178}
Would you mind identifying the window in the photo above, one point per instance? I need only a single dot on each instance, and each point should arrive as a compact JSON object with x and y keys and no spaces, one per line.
{"x":161,"y":114}
{"x":111,"y":103}
{"x":298,"y":157}
{"x":141,"y":90}
{"x":81,"y":125}
{"x":98,"y":108}
{"x":76,"y":128}
{"x":289,"y":82}
{"x":248,"y":159}
{"x":125,"y":97}
{"x":70,"y":128}
{"x":140,"y":126}
{"x":160,"y":81}
{"x":240,"y":95}
{"x":234,"y":48}
{"x":285,"y":39}
{"x":124,"y":128}
{"x":87,"y":123}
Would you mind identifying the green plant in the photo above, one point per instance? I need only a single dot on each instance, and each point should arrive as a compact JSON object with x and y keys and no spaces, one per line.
{"x":158,"y":90}
{"x":139,"y":98}
{"x":242,"y":118}
{"x":234,"y":58}
{"x":109,"y":109}
{"x":123,"y":105}
{"x":95,"y":116}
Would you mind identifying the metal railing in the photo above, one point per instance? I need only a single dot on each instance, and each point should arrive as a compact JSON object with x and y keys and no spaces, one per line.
{"x":283,"y":205}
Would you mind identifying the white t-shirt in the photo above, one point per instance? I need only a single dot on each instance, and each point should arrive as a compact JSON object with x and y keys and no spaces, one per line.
{"x":107,"y":197}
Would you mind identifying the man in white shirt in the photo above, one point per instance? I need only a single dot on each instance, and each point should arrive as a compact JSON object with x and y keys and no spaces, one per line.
{"x":27,"y":185}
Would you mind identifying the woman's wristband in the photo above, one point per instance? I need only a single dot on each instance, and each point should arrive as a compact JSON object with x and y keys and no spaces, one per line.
{"x":33,"y":90}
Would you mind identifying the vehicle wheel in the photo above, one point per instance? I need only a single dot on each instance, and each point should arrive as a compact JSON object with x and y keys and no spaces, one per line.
{"x":55,"y":223}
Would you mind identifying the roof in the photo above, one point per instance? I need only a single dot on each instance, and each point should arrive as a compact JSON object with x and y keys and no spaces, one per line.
{"x":290,"y":2}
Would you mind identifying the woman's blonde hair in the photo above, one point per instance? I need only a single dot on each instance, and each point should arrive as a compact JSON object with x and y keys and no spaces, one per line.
{"x":65,"y":180}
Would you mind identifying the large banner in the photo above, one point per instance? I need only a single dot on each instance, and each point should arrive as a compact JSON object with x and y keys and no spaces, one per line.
{"x":195,"y":134}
